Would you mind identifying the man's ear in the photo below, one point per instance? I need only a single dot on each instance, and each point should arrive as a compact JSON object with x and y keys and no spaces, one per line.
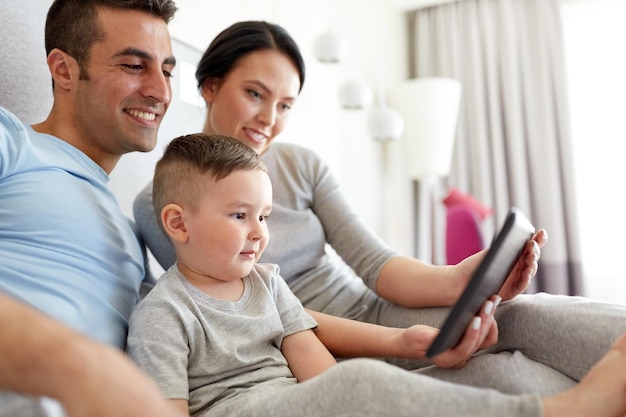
{"x":63,"y":69}
{"x":172,"y":219}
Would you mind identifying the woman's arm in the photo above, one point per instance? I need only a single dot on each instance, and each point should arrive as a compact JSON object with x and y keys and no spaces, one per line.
{"x":306,"y":355}
{"x":41,"y":357}
{"x":403,"y":280}
{"x":414,"y":284}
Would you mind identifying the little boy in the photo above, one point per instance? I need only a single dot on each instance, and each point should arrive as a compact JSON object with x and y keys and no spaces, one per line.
{"x":217,"y":323}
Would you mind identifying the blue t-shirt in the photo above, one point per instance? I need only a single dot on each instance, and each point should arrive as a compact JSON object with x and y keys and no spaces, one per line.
{"x":65,"y":246}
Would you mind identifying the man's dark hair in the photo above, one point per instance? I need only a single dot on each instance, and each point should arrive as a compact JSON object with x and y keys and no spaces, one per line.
{"x":72,"y":25}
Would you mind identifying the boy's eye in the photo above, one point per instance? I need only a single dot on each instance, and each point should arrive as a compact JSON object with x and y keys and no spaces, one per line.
{"x":239,"y":216}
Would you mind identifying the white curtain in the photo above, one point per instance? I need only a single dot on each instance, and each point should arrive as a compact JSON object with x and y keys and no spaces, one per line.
{"x":513,"y":145}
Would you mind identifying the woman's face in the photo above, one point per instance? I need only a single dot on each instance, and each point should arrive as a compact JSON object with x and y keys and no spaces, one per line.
{"x":252,"y":103}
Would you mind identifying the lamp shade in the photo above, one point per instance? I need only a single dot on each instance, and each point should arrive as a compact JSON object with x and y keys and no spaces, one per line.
{"x":384,"y":123}
{"x":329,"y":47}
{"x":355,"y":94}
{"x":430,"y":108}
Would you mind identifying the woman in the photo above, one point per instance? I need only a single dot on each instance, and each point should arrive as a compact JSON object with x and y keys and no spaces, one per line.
{"x":250,"y":77}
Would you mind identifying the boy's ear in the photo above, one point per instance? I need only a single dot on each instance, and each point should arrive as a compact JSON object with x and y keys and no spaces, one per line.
{"x":172,"y":219}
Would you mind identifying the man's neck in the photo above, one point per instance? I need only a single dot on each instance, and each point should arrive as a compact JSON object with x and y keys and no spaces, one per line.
{"x":61,"y":131}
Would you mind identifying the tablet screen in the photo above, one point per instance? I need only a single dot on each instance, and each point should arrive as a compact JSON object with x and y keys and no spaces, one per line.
{"x":497,"y":264}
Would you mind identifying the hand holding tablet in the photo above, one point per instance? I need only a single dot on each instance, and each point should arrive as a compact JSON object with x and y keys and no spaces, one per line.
{"x":493,"y":270}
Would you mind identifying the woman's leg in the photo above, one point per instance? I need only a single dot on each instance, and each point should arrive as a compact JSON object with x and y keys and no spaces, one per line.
{"x":508,"y":372}
{"x":364,"y":387}
{"x":569,"y":334}
{"x":554,"y":333}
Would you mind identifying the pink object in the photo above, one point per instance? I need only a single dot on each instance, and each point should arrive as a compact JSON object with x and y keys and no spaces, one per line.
{"x":463,"y":233}
{"x":456,"y":197}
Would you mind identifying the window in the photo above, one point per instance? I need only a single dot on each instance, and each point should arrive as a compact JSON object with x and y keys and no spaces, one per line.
{"x":594,"y":33}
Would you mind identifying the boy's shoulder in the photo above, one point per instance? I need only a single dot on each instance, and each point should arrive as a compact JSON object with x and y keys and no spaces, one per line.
{"x":266,"y":269}
{"x":268,"y":274}
{"x":167,"y":288}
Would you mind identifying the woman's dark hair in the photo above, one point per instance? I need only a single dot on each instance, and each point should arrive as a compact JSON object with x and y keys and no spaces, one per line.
{"x":241,"y":39}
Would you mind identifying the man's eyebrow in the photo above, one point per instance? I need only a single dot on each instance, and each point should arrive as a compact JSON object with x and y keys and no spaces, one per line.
{"x":170,"y":61}
{"x":143,"y":55}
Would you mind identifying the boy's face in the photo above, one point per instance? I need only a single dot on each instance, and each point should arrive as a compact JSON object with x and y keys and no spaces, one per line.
{"x":120,"y":105}
{"x":227,"y":233}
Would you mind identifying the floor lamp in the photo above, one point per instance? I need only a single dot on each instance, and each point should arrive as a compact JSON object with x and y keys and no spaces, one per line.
{"x":430,"y":108}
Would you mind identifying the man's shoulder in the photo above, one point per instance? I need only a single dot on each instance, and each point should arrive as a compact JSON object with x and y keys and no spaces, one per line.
{"x":14,"y":142}
{"x":10,"y":123}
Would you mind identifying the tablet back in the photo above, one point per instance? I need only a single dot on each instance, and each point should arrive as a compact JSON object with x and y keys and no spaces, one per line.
{"x":493,"y":270}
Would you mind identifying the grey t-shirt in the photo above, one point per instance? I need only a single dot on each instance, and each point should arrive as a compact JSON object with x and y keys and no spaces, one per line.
{"x":309,"y":214}
{"x":211,"y":351}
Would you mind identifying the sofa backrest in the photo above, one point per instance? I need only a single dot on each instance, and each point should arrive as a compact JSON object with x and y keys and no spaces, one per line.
{"x":25,"y":83}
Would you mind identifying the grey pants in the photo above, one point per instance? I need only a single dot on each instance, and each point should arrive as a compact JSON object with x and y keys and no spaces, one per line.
{"x":367,"y":387}
{"x":546,"y":343}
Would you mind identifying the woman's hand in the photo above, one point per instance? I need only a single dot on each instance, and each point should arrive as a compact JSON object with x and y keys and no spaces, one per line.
{"x":481,"y":333}
{"x":526,"y":268}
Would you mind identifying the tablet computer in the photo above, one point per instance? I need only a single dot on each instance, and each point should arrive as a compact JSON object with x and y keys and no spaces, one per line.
{"x":493,"y":270}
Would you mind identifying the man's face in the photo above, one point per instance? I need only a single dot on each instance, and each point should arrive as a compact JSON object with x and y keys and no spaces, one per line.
{"x":120,"y":105}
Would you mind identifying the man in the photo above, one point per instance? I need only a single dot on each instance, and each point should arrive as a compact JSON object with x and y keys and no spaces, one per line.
{"x":65,"y":246}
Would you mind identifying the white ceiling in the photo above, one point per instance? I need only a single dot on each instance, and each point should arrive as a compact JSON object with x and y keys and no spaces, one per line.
{"x":417,"y":4}
{"x":197,"y":22}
